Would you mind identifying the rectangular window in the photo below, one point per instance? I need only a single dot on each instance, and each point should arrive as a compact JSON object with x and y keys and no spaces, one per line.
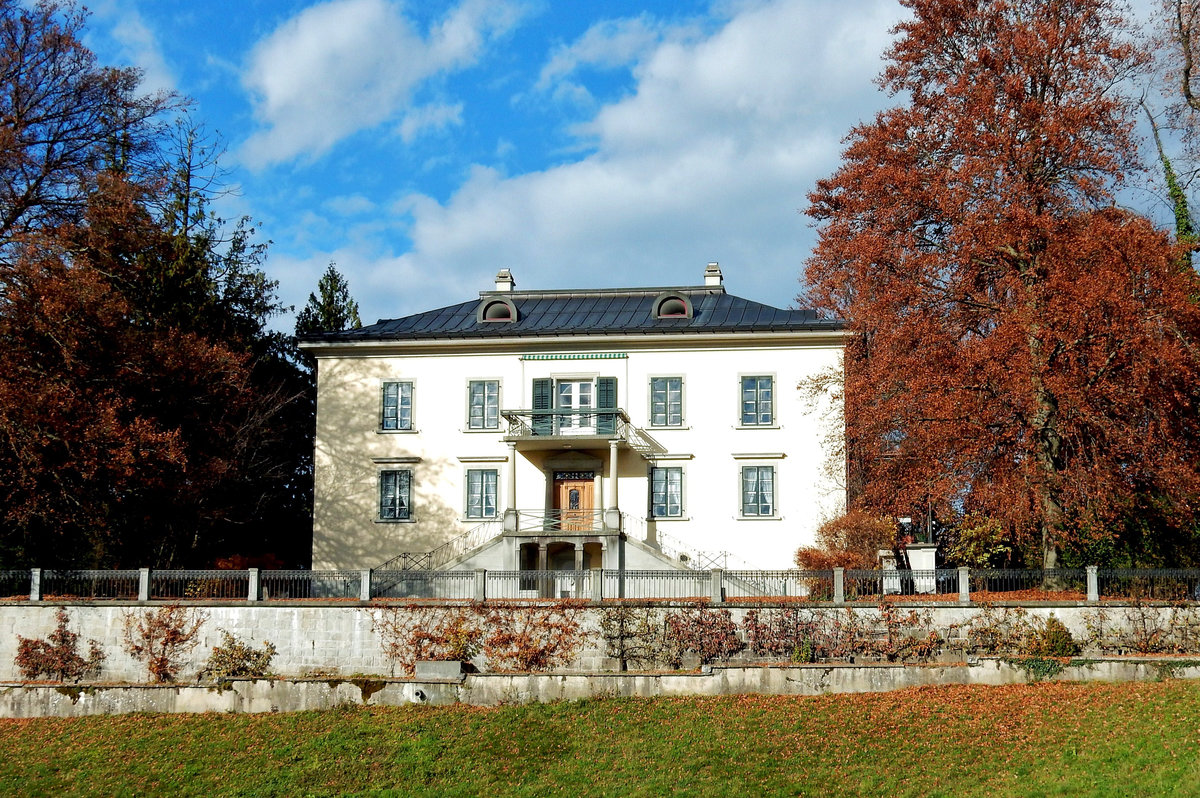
{"x":666,"y":402}
{"x":395,"y":494}
{"x":481,"y":493}
{"x":758,"y":490}
{"x":483,"y":402}
{"x":397,"y":406}
{"x":666,"y":492}
{"x":758,"y":401}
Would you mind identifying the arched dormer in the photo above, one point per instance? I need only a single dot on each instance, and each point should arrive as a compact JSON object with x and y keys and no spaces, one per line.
{"x":496,"y":309}
{"x":672,"y":306}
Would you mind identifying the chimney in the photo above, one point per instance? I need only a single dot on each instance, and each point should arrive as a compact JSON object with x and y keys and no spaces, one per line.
{"x":712,"y":275}
{"x":504,"y":280}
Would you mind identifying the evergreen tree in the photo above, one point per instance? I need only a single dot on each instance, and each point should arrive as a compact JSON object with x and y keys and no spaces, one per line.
{"x":333,"y":311}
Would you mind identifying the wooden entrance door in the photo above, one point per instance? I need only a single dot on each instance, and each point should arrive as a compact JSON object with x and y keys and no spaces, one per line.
{"x":574,"y":500}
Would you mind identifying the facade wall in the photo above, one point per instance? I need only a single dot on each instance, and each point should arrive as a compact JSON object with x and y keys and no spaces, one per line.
{"x":711,"y":446}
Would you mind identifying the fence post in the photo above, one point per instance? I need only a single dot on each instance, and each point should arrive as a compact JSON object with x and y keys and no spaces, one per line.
{"x":254,"y":593}
{"x":143,"y":584}
{"x":839,"y":585}
{"x":481,"y":584}
{"x":964,"y":585}
{"x":364,"y":585}
{"x":597,"y":584}
{"x":718,"y":595}
{"x":35,"y":584}
{"x":1093,"y":584}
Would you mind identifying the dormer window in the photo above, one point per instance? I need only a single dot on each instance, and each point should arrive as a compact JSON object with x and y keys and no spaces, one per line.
{"x":672,"y":306}
{"x":496,"y":309}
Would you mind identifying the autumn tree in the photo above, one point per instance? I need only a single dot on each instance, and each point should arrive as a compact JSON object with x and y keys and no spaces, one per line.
{"x":64,"y":117}
{"x":1016,"y":345}
{"x":147,"y":410}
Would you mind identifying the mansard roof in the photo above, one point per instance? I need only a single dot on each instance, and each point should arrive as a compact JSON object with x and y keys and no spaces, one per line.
{"x":590,"y":312}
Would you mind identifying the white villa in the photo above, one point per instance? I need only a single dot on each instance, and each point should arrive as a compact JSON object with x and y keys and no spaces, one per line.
{"x":641,"y":428}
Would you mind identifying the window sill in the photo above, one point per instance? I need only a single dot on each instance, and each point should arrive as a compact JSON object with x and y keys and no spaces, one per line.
{"x":758,"y":426}
{"x":669,"y":518}
{"x":759,"y":518}
{"x":668,"y":426}
{"x":470,"y":431}
{"x":482,"y":520}
{"x":396,"y":431}
{"x":395,"y":520}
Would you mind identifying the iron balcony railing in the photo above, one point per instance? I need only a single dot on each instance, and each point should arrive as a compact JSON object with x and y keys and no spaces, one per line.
{"x":608,"y":422}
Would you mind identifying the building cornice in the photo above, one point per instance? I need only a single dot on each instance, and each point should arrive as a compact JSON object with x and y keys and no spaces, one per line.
{"x":570,"y":343}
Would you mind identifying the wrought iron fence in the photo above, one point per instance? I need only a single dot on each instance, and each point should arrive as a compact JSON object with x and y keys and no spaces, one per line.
{"x":89,"y":584}
{"x":14,"y":584}
{"x":423,"y":584}
{"x":668,"y":584}
{"x":1063,"y":583}
{"x":199,"y":584}
{"x":1181,"y":584}
{"x":281,"y":585}
{"x":539,"y":584}
{"x":746,"y":584}
{"x":680,"y":585}
{"x":941,"y":583}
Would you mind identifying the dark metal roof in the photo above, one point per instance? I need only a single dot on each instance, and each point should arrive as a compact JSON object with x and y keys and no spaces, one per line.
{"x":589,"y":312}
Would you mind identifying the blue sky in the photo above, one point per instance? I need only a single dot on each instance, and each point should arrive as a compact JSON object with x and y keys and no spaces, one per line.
{"x":422,"y":146}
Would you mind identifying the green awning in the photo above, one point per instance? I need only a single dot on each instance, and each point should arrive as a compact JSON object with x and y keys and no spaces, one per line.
{"x":579,"y":356}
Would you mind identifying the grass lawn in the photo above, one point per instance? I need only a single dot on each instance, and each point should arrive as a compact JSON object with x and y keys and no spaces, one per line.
{"x":1044,"y":739}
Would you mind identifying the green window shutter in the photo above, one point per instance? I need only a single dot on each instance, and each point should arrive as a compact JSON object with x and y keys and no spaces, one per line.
{"x":543,"y":399}
{"x":606,"y":399}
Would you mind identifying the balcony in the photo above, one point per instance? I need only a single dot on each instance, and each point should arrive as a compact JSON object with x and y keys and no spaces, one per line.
{"x":576,"y":429}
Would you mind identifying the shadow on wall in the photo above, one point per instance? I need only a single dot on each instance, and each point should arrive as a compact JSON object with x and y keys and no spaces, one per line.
{"x":349,"y":456}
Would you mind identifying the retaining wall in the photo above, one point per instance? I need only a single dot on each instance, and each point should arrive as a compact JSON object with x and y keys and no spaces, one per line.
{"x":262,"y":695}
{"x":337,"y":639}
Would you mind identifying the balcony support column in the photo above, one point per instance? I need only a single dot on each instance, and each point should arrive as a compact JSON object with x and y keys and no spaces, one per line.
{"x":612,"y":513}
{"x":510,"y":509}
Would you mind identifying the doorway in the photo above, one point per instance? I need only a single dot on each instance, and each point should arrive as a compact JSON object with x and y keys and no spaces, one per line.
{"x":574,"y":496}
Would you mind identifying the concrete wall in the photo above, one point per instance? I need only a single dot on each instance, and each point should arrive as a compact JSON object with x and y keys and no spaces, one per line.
{"x":710,"y":447}
{"x":262,"y":695}
{"x":330,"y":639}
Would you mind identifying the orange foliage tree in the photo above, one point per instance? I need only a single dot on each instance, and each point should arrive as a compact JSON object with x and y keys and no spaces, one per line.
{"x":852,"y":541}
{"x":1018,"y":346}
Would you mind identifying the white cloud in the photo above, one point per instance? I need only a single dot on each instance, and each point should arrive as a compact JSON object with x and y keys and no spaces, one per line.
{"x":429,"y":117}
{"x":711,"y":158}
{"x":346,"y":65}
{"x":137,"y":44}
{"x":607,"y":44}
{"x":349,"y":205}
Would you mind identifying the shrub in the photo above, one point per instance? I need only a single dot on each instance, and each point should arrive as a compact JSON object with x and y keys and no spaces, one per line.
{"x":161,"y":638}
{"x":1053,"y":639}
{"x":411,"y":634}
{"x":850,"y":541}
{"x":58,"y":657}
{"x":532,"y":638}
{"x":978,"y":541}
{"x":631,"y":635}
{"x":701,"y":630}
{"x":234,"y":659}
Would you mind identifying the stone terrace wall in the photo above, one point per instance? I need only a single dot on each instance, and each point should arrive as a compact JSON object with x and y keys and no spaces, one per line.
{"x":338,"y":639}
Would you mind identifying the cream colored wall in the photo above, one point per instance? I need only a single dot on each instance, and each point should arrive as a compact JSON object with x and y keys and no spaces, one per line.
{"x":350,"y":451}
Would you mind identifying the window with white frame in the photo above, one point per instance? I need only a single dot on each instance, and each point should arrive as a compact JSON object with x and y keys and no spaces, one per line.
{"x":666,"y":401}
{"x":758,"y":491}
{"x":666,"y":492}
{"x":397,"y":406}
{"x":758,"y":401}
{"x":395,"y":495}
{"x":481,"y":492}
{"x":483,"y":404}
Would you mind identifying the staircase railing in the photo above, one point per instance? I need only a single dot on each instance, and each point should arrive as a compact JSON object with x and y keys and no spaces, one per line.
{"x":445,"y":553}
